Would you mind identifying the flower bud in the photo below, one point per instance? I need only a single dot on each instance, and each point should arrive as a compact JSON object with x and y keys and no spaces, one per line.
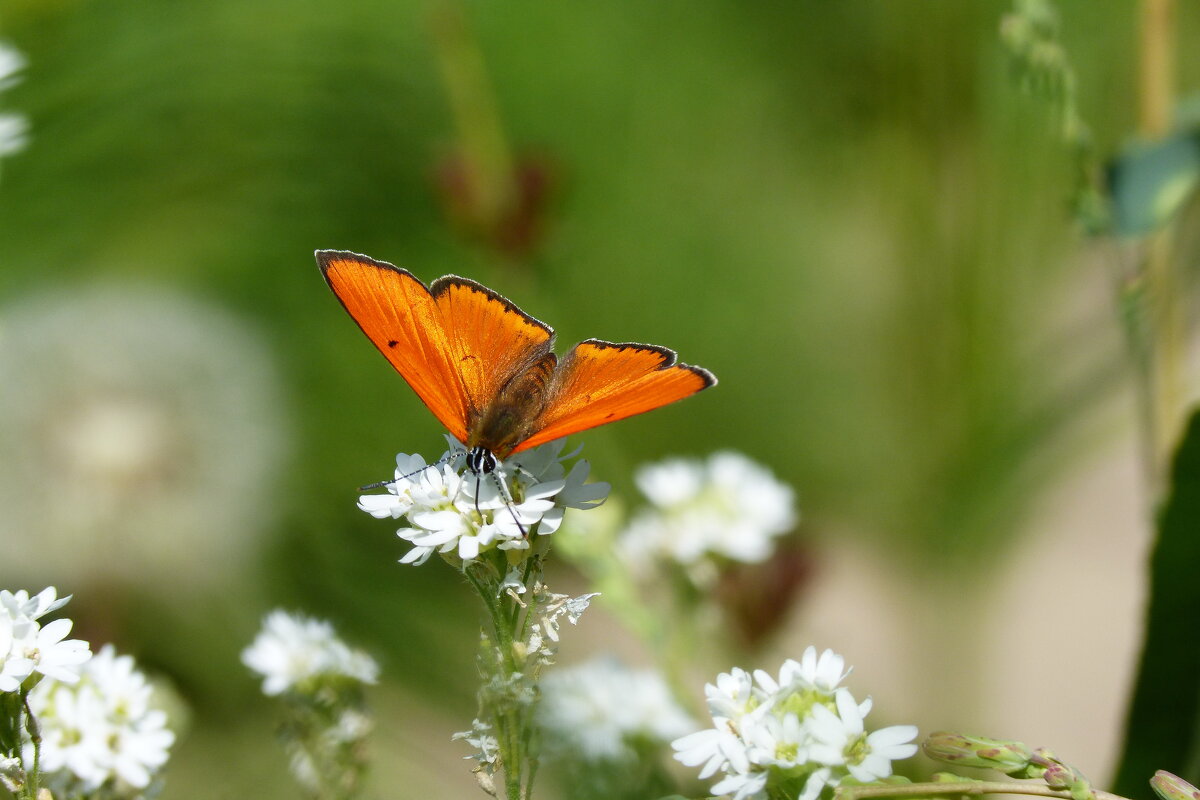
{"x":1172,"y":787}
{"x":1059,"y":776}
{"x":977,"y":751}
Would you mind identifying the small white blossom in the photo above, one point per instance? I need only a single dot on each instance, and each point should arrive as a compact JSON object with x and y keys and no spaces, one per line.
{"x":103,"y":733}
{"x":725,"y":507}
{"x":801,"y":726}
{"x":455,"y":512}
{"x":602,"y":710}
{"x":822,"y":672}
{"x":291,"y":651}
{"x":840,"y":739}
{"x":27,"y":647}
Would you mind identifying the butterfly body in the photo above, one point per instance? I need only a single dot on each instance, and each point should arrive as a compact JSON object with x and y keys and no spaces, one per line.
{"x":487,"y":370}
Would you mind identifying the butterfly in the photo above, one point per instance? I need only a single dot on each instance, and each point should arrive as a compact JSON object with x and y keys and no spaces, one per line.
{"x":487,"y":370}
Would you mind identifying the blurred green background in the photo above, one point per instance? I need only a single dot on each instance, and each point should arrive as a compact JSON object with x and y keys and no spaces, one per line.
{"x":847,"y":211}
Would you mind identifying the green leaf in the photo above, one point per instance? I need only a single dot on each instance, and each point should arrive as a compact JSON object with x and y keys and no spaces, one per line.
{"x":1161,"y":729}
{"x":1150,"y":182}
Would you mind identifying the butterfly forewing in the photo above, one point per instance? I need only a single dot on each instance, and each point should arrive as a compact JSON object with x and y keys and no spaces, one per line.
{"x":600,"y":382}
{"x":397,"y":313}
{"x":490,"y":341}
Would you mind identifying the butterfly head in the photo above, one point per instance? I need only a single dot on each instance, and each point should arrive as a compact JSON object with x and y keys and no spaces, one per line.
{"x":481,"y":461}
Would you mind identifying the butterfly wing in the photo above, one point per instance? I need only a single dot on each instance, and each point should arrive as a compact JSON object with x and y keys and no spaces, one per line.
{"x":400,"y":316}
{"x":600,"y":382}
{"x":489,"y":340}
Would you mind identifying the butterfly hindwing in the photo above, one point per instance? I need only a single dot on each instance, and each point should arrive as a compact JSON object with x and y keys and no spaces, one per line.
{"x":400,"y":316}
{"x":600,"y":382}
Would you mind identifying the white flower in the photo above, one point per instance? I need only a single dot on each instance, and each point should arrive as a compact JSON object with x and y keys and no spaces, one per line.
{"x":103,"y":732}
{"x":602,"y":710}
{"x":27,"y":647}
{"x":455,"y":512}
{"x":732,"y":696}
{"x":726,"y":507}
{"x":884,"y":746}
{"x":840,"y":740}
{"x":742,"y":786}
{"x":822,"y":673}
{"x":768,"y":732}
{"x":291,"y":651}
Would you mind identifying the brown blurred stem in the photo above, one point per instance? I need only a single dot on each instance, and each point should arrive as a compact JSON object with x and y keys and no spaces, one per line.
{"x":484,"y":149}
{"x":1156,"y":93}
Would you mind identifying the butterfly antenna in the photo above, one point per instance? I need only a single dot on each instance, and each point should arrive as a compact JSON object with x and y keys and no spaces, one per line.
{"x":381,"y":484}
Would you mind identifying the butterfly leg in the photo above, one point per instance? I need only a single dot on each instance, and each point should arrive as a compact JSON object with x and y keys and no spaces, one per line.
{"x":508,"y":502}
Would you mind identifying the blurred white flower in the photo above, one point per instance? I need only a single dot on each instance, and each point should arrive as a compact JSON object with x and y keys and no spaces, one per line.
{"x":453,"y":511}
{"x":728,"y":507}
{"x":293,"y":652}
{"x":102,"y":734}
{"x":13,"y":127}
{"x":27,"y":647}
{"x":770,"y":736}
{"x":14,"y":133}
{"x":11,"y":62}
{"x":603,"y":710}
{"x":142,"y":433}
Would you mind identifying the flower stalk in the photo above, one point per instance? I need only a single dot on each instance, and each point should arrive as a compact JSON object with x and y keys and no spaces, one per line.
{"x":494,"y":529}
{"x":958,"y":789}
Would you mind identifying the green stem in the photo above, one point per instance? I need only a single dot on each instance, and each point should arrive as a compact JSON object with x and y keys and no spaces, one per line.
{"x":32,"y":785}
{"x":508,"y":722}
{"x":955,"y":788}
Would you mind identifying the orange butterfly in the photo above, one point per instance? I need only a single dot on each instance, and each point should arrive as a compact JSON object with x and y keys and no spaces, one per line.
{"x":487,"y":370}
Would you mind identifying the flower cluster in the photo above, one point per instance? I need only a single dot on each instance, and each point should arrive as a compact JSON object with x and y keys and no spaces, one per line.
{"x":791,"y":736}
{"x":102,"y":735}
{"x":604,"y":711}
{"x":319,"y":679}
{"x":28,"y":648}
{"x":726,"y":507}
{"x":511,"y":689}
{"x":461,"y":514}
{"x":292,"y":652}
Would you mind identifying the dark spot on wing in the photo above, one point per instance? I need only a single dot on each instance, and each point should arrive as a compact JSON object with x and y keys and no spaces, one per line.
{"x":392,"y":343}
